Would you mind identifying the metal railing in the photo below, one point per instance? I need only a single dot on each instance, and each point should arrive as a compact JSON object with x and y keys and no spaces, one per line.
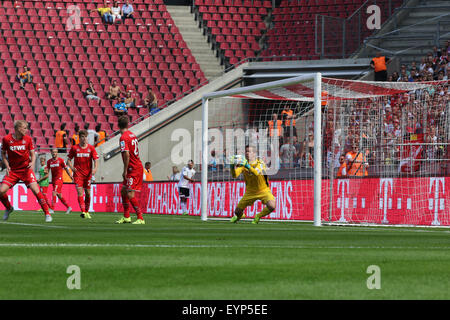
{"x":337,"y":37}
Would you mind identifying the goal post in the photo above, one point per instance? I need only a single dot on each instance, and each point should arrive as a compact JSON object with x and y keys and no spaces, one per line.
{"x":316,"y":78}
{"x":336,"y":150}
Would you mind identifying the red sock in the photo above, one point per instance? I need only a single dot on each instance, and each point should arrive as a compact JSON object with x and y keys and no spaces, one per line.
{"x":136,"y":207}
{"x":5,"y":201}
{"x":43,"y":202}
{"x":81,"y":202}
{"x":64,"y":202}
{"x":126,"y":206}
{"x":87,"y":202}
{"x":53,"y":202}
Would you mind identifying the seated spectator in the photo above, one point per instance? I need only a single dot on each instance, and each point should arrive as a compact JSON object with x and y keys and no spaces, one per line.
{"x":150,"y":100}
{"x":24,"y":77}
{"x":90,"y":92}
{"x":127,"y":11}
{"x":105,"y":12}
{"x":120,"y":108}
{"x":116,"y":13}
{"x":130,"y":101}
{"x":114,"y":91}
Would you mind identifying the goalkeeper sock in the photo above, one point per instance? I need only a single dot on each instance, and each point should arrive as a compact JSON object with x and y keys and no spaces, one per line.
{"x":264,"y":212}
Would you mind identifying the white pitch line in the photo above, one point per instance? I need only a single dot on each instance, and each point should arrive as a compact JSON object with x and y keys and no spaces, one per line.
{"x":34,"y":225}
{"x":106,"y":245}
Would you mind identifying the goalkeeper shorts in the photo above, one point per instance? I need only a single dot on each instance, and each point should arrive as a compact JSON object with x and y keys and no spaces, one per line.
{"x":249,"y":198}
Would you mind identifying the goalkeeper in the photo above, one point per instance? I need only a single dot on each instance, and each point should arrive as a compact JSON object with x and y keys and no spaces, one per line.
{"x":256,"y":184}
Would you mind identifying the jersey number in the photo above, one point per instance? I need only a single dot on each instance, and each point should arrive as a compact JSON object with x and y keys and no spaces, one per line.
{"x":134,"y":143}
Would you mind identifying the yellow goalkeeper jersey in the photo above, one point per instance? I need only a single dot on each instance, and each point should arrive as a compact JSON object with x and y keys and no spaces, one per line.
{"x":256,"y":180}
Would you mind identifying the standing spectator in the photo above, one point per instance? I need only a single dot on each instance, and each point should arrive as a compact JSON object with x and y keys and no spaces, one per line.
{"x":287,"y":152}
{"x":92,"y":135}
{"x":105,"y":12}
{"x":175,"y":176}
{"x":116,"y":12}
{"x":24,"y":77}
{"x":356,"y":160}
{"x":61,"y":140}
{"x":298,"y":151}
{"x":120,"y":108}
{"x":114,"y":91}
{"x":75,"y":137}
{"x":378,"y":64}
{"x":127,"y":11}
{"x":289,"y":120}
{"x":275,"y":124}
{"x":342,"y":171}
{"x":90,"y":92}
{"x":102,"y":135}
{"x":147,"y":172}
{"x":212,"y":163}
{"x":150,"y":100}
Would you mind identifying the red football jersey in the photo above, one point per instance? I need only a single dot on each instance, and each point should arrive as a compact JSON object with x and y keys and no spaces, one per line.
{"x":18,"y":151}
{"x":129,"y":142}
{"x":56,"y":166}
{"x":83,"y":159}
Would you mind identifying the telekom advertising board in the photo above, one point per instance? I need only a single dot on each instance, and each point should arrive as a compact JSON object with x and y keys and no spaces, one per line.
{"x":411,"y":201}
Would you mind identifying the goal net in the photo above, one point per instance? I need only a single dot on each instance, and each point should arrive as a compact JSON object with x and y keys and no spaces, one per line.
{"x":336,"y":151}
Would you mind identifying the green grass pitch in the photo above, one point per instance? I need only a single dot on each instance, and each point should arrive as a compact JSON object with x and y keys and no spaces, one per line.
{"x":177,"y":257}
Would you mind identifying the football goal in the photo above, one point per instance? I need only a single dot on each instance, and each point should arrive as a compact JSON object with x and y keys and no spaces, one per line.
{"x":335,"y":150}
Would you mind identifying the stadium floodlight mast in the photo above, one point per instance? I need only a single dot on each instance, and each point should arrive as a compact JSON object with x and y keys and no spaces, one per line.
{"x":317,"y":79}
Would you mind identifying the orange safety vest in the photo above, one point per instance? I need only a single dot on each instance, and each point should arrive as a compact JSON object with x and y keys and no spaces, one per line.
{"x":287,"y":122}
{"x":76,"y":139}
{"x":279,"y":123}
{"x":379,"y":63}
{"x":101,"y":137}
{"x":59,"y":139}
{"x":356,"y":166}
{"x":148,"y":175}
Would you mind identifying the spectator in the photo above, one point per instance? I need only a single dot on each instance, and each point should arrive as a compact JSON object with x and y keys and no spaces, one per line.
{"x":309,"y":148}
{"x":114,"y":91}
{"x":298,"y":151}
{"x":356,"y":161}
{"x":75,"y":137}
{"x":287,"y":152}
{"x":277,"y":123}
{"x":212,"y":163}
{"x":61,"y":141}
{"x":102,"y":135}
{"x":150,"y":100}
{"x":105,"y":12}
{"x":24,"y":77}
{"x":92,"y":137}
{"x":175,"y":176}
{"x":378,"y":64}
{"x":288,"y":116}
{"x":342,"y":171}
{"x":90,"y":92}
{"x":120,"y":108}
{"x":147,"y":172}
{"x":115,"y":13}
{"x":129,"y":101}
{"x":127,"y":11}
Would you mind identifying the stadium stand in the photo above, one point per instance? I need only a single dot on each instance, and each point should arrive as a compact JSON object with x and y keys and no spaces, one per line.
{"x":233,"y":26}
{"x":292,"y":35}
{"x":145,"y":52}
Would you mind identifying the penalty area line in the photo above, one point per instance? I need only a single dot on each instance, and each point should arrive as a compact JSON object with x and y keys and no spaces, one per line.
{"x":33,"y":225}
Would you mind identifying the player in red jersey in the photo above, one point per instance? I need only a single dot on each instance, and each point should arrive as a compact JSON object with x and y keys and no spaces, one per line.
{"x":84,"y":156}
{"x":133,"y":172}
{"x":19,"y":159}
{"x":56,"y":165}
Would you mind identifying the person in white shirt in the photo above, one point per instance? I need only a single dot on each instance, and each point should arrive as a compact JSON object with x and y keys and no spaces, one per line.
{"x":186,"y":176}
{"x":175,"y":174}
{"x":115,"y":12}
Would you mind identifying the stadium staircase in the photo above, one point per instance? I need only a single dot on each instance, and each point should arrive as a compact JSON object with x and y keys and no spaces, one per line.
{"x":148,"y":52}
{"x":196,"y":41}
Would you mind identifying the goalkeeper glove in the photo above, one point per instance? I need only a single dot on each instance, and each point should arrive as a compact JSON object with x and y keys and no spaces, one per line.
{"x":246,"y":164}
